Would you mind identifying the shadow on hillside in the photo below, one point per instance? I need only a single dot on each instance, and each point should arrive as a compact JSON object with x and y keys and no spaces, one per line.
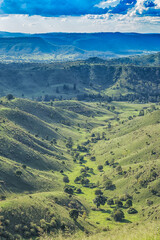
{"x":79,"y":226}
{"x":105,"y":211}
{"x":126,"y":221}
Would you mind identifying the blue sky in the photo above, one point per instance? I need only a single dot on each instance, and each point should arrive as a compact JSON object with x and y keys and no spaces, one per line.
{"x":80,"y":16}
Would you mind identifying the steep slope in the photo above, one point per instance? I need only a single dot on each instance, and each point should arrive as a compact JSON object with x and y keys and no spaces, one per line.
{"x":131,"y":160}
{"x":33,"y":138}
{"x":32,"y":143}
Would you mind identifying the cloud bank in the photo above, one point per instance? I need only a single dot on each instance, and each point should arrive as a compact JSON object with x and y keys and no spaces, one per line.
{"x":80,"y":15}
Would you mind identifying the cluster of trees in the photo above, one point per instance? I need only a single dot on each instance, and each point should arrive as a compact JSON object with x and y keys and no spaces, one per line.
{"x":93,"y":97}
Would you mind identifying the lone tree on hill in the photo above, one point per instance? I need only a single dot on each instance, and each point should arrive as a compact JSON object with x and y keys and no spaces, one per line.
{"x":9,"y":97}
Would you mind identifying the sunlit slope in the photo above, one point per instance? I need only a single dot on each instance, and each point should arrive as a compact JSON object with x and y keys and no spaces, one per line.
{"x":33,"y":139}
{"x":131,"y":159}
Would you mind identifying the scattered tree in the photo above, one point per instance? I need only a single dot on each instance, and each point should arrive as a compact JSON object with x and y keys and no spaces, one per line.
{"x":18,"y":173}
{"x":98,"y":192}
{"x":65,"y":179}
{"x":68,"y":190}
{"x":100,"y":167}
{"x":128,"y":203}
{"x":10,"y":97}
{"x":110,"y":201}
{"x":100,"y":200}
{"x":132,"y":211}
{"x":118,"y":215}
{"x":74,"y":213}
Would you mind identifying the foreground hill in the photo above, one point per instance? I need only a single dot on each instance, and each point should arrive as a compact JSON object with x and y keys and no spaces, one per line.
{"x":57,"y":157}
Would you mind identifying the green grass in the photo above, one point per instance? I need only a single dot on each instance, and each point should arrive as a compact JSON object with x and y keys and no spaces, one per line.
{"x":147,"y":231}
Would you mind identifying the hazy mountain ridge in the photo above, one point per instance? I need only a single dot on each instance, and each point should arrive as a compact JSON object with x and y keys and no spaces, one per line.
{"x":83,"y":156}
{"x":73,"y":46}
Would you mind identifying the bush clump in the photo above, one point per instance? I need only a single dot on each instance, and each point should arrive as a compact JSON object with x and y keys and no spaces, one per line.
{"x":118,"y":215}
{"x":132,"y":211}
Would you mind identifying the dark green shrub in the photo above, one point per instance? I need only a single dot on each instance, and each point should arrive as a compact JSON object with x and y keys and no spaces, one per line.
{"x":77,"y":179}
{"x":98,"y":192}
{"x":93,"y":158}
{"x":108,"y":185}
{"x":24,"y":166}
{"x":106,"y":163}
{"x":100,"y":167}
{"x":74,"y":213}
{"x":10,"y":97}
{"x":132,"y":211}
{"x":79,"y":191}
{"x":118,"y":215}
{"x":2,"y":197}
{"x":18,"y":173}
{"x":128,"y":203}
{"x":65,"y":179}
{"x":85,"y":181}
{"x":68,"y":190}
{"x":100,"y":200}
{"x":110,"y":201}
{"x":149,"y":202}
{"x":119,"y":203}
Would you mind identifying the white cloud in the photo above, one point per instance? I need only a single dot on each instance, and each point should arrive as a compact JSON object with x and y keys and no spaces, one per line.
{"x":157,"y":2}
{"x":88,"y":23}
{"x":108,"y":4}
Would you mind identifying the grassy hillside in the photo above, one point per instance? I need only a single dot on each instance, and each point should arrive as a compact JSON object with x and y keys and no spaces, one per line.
{"x":113,"y":149}
{"x":34,"y":137}
{"x":132,"y":232}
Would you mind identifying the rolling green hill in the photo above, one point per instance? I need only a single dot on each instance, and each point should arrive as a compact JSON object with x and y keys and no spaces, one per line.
{"x":109,"y":147}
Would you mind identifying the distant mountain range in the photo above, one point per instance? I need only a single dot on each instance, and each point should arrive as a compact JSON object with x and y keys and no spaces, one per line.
{"x":74,"y":46}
